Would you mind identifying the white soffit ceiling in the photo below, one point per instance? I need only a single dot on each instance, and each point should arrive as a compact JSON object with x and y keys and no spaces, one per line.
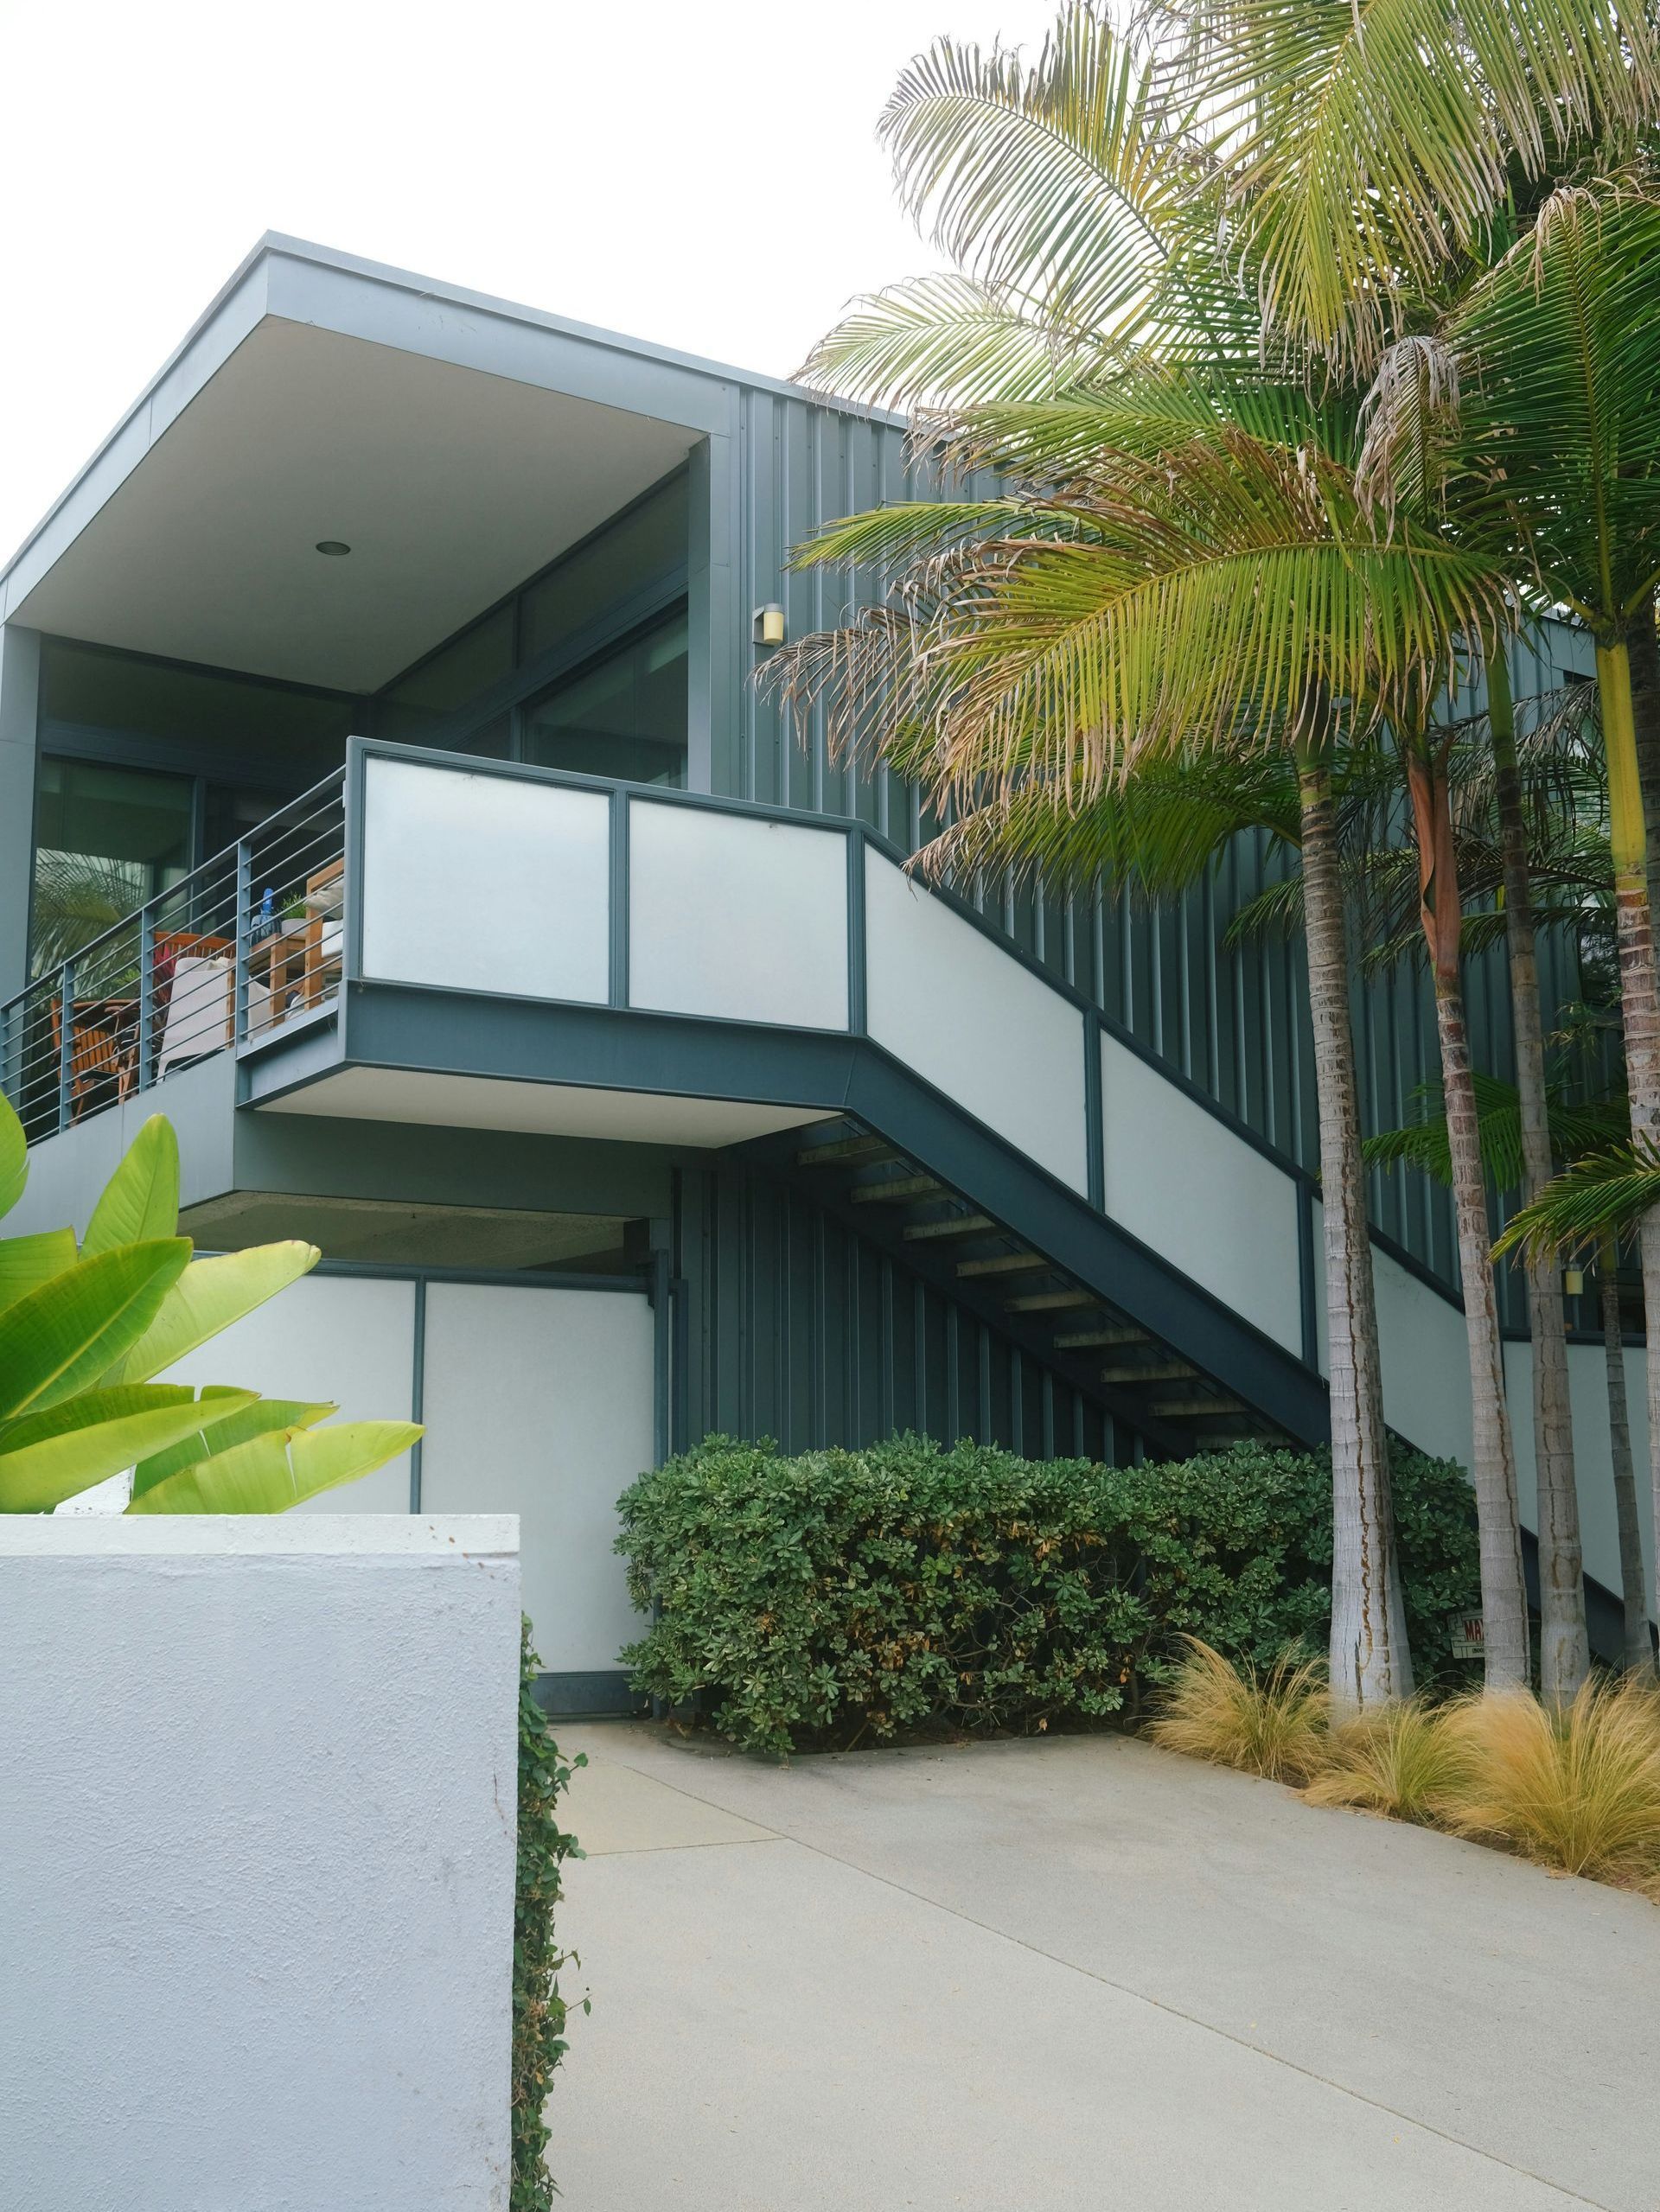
{"x":543,"y":1109}
{"x":450,"y":487}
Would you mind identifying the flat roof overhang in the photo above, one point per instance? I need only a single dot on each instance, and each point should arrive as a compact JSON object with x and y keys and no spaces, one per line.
{"x":457,"y":444}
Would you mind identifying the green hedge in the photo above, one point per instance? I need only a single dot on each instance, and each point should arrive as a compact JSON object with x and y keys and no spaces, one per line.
{"x":849,"y":1595}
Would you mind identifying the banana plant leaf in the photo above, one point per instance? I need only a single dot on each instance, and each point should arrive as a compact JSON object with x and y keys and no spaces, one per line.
{"x":27,"y":1262}
{"x":141,"y":1199}
{"x":14,"y":1157}
{"x":34,"y":1476}
{"x":68,"y":1334}
{"x":258,"y":1420}
{"x":210,"y":1294}
{"x":269,"y":1473}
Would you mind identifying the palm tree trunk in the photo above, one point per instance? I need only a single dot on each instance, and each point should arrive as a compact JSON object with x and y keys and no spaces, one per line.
{"x":1639,"y":1652}
{"x":1369,"y":1658}
{"x":1503,"y":1592}
{"x":1564,"y":1644}
{"x":1639,"y":1005}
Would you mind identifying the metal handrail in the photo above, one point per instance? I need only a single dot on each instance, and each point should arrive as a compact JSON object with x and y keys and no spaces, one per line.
{"x":109,"y":1020}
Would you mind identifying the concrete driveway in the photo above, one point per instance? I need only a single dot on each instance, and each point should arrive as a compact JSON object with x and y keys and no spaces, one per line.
{"x":1080,"y":1972}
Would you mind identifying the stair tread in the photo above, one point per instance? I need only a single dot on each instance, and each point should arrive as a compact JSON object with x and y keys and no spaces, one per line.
{"x":953,"y":1225}
{"x":1084,"y":1337}
{"x":894,"y":1188}
{"x":1003,"y":1263}
{"x":1160,"y":1371}
{"x":846,"y":1147}
{"x":1050,"y":1301}
{"x":1175,"y":1408}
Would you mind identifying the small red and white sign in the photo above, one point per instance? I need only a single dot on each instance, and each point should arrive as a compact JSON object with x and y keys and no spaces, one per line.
{"x":1468,"y":1639}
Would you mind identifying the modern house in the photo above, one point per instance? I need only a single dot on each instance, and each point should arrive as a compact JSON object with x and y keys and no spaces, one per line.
{"x":379,"y":741}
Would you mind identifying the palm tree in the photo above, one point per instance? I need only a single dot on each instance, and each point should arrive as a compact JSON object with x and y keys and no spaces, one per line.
{"x":1558,"y":350}
{"x":1589,"y":1126}
{"x":1376,"y":147}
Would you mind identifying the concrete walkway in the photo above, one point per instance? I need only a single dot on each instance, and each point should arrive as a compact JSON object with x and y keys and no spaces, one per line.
{"x":1080,"y":1973}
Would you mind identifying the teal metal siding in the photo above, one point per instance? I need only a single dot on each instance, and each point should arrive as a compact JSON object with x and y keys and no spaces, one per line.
{"x":800,"y":1331}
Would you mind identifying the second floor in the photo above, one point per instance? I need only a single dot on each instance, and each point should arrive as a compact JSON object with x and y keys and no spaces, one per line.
{"x":359,"y":503}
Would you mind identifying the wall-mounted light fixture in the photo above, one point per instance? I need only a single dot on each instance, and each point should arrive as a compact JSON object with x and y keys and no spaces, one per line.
{"x":333,"y":546}
{"x":1573,"y":1281}
{"x":770,"y":624}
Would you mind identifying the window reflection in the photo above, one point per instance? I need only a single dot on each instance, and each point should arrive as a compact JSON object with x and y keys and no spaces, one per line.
{"x":106,"y":840}
{"x":624,"y":716}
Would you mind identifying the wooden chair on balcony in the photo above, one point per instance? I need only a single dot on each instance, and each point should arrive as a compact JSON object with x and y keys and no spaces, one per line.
{"x":103,"y":1036}
{"x":325,"y":933}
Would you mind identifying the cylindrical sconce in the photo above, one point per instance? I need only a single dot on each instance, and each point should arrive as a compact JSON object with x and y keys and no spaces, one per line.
{"x":770,"y":624}
{"x":1573,"y":1281}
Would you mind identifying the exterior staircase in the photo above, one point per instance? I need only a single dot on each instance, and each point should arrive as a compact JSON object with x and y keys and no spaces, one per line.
{"x":1164,"y":1402}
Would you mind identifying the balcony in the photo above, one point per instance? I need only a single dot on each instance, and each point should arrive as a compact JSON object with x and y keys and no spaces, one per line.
{"x":237,"y":949}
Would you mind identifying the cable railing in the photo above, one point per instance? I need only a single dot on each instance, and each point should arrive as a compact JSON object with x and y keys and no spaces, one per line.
{"x":244,"y":943}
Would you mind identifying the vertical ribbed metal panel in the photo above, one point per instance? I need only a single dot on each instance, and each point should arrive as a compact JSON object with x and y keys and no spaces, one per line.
{"x":1234,"y":1020}
{"x":799,"y":1331}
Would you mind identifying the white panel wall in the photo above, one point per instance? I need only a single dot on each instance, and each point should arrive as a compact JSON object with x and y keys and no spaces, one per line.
{"x":947,"y":1001}
{"x":540,"y":1403}
{"x":1587,"y":1385}
{"x":485,"y":883}
{"x":1426,"y":1398}
{"x":256,"y":1896}
{"x":1425,"y":1359}
{"x":343,"y":1337}
{"x":736,"y":917}
{"x":1199,"y":1195}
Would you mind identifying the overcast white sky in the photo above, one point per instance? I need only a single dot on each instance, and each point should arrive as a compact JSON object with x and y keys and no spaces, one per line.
{"x":701,"y":172}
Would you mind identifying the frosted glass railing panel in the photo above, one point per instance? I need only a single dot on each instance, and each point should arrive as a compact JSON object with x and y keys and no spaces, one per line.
{"x":950,"y":1003}
{"x":1181,"y":1181}
{"x":736,"y":918}
{"x":485,"y":883}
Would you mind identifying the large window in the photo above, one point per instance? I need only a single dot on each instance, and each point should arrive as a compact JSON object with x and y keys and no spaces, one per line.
{"x":623,"y":716}
{"x":106,"y":840}
{"x":147,"y":769}
{"x":585,"y":667}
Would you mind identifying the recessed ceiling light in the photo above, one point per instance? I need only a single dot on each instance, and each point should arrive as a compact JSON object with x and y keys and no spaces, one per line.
{"x":332,"y":545}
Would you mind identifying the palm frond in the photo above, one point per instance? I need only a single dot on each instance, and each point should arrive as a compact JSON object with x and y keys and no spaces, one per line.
{"x":1274,"y":911}
{"x":1206,"y":595}
{"x":949,"y":336}
{"x":1060,"y":181}
{"x":1408,"y":415}
{"x":1148,"y":407}
{"x":1152,"y":833}
{"x":1559,"y":351}
{"x":1607,"y":1193}
{"x":1371,"y":141}
{"x":1576,"y":1126}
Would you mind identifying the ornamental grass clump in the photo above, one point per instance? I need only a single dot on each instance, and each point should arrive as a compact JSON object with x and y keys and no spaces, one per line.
{"x":1271,"y":1724}
{"x":1401,"y":1761}
{"x":1574,"y":1788}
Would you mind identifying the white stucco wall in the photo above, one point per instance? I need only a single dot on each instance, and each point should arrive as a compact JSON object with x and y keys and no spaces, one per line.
{"x":1594,"y":1462}
{"x":257,"y":1793}
{"x":539,"y":1403}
